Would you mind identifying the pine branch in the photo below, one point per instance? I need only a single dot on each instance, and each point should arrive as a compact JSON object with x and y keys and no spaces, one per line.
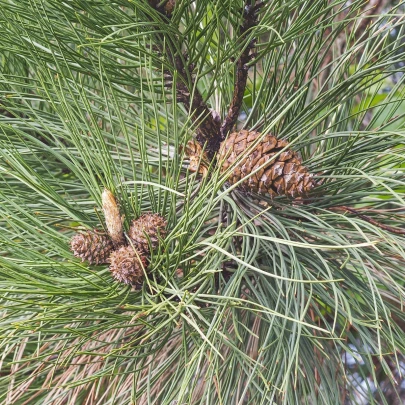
{"x":250,"y":20}
{"x":358,"y":27}
{"x":288,"y":267}
{"x":208,"y":130}
{"x":373,"y":7}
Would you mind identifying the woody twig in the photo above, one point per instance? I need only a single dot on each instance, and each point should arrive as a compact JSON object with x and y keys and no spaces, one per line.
{"x":210,"y":132}
{"x":208,"y":127}
{"x":249,"y":21}
{"x":163,"y":7}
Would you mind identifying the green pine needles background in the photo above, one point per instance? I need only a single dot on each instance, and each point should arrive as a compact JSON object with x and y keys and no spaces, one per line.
{"x":248,"y":299}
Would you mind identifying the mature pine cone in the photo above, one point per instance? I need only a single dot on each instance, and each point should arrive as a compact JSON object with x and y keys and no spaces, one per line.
{"x":150,"y":224}
{"x":92,"y":246}
{"x":127,"y":265}
{"x":282,"y":175}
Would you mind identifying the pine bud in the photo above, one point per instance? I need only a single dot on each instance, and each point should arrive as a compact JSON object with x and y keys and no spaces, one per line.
{"x":113,"y":218}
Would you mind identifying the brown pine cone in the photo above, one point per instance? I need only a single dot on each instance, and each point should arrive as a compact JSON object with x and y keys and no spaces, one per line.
{"x":281,"y":175}
{"x":153,"y":225}
{"x":127,"y":265}
{"x":92,"y":246}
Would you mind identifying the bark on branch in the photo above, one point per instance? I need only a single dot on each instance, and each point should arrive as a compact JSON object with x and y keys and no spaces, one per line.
{"x":249,"y":21}
{"x":210,"y":132}
{"x":208,"y":127}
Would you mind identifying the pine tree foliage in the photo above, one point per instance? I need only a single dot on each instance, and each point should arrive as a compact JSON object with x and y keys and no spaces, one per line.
{"x":248,"y":299}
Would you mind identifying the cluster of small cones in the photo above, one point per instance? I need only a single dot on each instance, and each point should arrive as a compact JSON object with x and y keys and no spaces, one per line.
{"x":128,"y":259}
{"x":258,"y":163}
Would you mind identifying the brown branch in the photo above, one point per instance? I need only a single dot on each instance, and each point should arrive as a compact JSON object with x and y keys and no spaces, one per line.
{"x":249,"y":21}
{"x":210,"y":132}
{"x":372,"y":8}
{"x":208,"y":127}
{"x":370,"y":220}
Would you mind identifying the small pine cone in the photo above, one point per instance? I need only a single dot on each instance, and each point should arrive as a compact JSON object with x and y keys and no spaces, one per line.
{"x":153,"y":225}
{"x":282,"y":175}
{"x":92,"y":246}
{"x":127,"y":265}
